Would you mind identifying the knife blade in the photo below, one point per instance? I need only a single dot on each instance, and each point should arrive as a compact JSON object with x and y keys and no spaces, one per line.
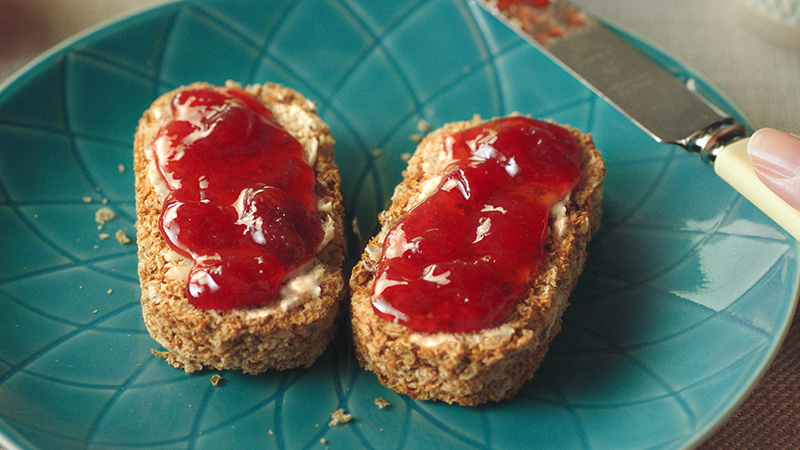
{"x":646,"y":93}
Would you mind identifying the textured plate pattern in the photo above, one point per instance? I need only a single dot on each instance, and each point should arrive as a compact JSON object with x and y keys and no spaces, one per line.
{"x":686,"y":295}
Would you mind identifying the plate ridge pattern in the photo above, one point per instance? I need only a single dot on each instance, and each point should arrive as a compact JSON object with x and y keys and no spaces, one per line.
{"x":495,"y":58}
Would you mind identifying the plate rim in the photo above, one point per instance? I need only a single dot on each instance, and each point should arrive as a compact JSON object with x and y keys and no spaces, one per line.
{"x":643,"y":44}
{"x":89,"y":32}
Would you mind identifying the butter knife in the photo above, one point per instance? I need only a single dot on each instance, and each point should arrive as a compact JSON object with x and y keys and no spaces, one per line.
{"x":649,"y":95}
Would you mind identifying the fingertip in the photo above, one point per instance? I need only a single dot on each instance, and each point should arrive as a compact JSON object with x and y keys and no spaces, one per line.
{"x":775,"y":157}
{"x":774,"y":153}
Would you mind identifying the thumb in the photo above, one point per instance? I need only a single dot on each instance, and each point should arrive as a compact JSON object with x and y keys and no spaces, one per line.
{"x":775,"y":157}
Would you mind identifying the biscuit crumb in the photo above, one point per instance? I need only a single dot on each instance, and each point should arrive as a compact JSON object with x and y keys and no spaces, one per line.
{"x":339,"y":416}
{"x":104,"y":236}
{"x":423,"y":126}
{"x":121,"y":168}
{"x":216,"y":380}
{"x":405,"y":156}
{"x":270,"y":432}
{"x":356,"y":230}
{"x":381,"y":403}
{"x":122,"y":238}
{"x":103,"y":215}
{"x":377,"y":152}
{"x":416,"y":137}
{"x":323,"y":441}
{"x":87,"y":199}
{"x":109,"y":292}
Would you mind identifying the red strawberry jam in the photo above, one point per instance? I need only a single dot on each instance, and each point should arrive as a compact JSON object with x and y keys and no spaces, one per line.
{"x":542,"y":20}
{"x":504,"y":4}
{"x":241,"y":199}
{"x":461,"y":259}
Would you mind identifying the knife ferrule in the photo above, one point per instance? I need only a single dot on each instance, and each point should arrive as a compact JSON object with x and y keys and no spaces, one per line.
{"x":710,"y":141}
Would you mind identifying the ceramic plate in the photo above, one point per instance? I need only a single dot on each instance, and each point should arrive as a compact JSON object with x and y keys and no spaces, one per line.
{"x":686,"y":295}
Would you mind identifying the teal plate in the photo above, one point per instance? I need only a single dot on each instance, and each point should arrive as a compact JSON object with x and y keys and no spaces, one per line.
{"x":686,"y":295}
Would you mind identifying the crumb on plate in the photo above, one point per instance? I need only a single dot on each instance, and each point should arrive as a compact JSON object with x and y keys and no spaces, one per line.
{"x":339,"y":416}
{"x":381,"y":403}
{"x":103,"y":215}
{"x":122,"y":238}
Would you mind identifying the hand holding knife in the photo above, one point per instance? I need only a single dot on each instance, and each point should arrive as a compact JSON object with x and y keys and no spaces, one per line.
{"x":661,"y":104}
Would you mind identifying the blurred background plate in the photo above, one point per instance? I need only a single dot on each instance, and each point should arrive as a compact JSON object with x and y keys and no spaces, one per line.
{"x":685,"y":298}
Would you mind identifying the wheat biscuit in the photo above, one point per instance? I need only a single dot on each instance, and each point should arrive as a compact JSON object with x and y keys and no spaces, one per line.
{"x":492,"y":364}
{"x":291,"y":331}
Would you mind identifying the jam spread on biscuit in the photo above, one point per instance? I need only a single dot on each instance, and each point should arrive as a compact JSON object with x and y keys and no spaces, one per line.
{"x":241,"y":199}
{"x":461,"y":259}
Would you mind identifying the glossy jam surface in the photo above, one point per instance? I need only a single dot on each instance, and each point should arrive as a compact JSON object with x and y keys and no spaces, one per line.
{"x":461,"y":259}
{"x":241,"y":199}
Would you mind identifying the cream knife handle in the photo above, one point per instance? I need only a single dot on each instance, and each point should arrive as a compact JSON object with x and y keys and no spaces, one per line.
{"x":733,"y":165}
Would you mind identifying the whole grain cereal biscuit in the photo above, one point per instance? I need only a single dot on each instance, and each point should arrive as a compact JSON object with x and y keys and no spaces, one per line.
{"x":290,"y":331}
{"x":473,"y":367}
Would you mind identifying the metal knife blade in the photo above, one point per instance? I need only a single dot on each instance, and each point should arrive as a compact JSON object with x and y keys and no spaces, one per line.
{"x":649,"y":95}
{"x":645,"y":92}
